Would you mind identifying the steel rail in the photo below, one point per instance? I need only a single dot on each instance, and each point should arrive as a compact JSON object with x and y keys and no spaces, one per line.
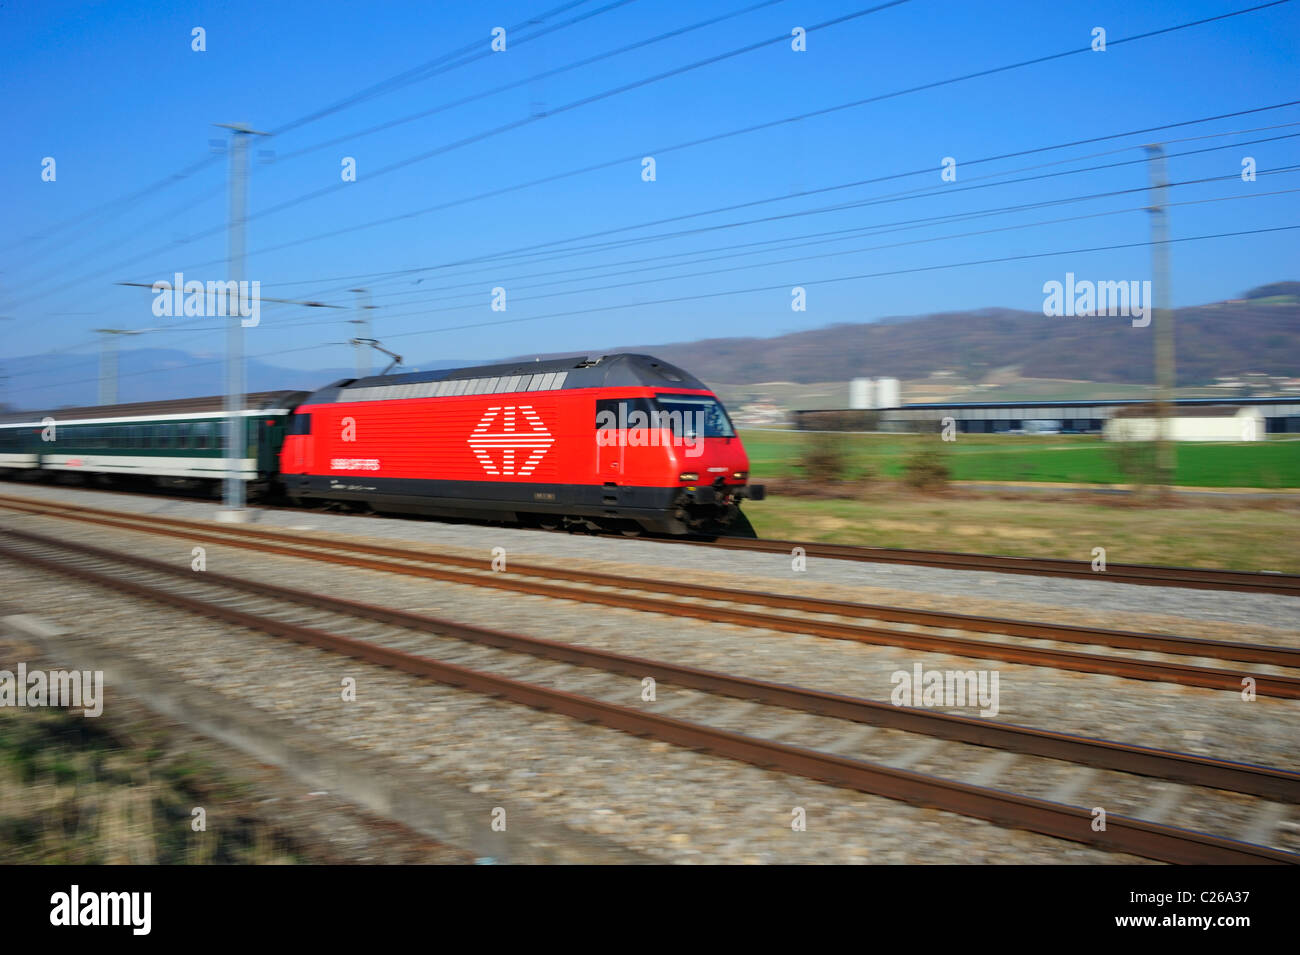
{"x":1146,"y":574}
{"x":1122,"y":833}
{"x":1264,"y":781}
{"x":1266,"y":684}
{"x":1066,"y":633}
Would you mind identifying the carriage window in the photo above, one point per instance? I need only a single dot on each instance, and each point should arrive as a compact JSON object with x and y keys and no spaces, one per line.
{"x":202,"y":435}
{"x":182,"y":435}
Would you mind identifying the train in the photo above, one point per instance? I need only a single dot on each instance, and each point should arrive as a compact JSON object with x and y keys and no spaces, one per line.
{"x":622,"y":442}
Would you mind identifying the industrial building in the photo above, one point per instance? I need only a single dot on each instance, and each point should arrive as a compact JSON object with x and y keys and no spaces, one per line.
{"x":1274,"y":416}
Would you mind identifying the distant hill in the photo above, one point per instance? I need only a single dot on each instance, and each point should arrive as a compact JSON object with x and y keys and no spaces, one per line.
{"x":1257,"y":333}
{"x":1227,"y":338}
{"x":152,"y":374}
{"x":1276,"y":291}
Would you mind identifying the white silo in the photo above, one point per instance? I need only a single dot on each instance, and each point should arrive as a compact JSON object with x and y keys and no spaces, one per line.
{"x":860,"y":394}
{"x":887,"y":393}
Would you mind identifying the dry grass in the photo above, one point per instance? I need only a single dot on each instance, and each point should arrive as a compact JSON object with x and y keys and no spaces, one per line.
{"x":71,"y":793}
{"x":1238,"y":534}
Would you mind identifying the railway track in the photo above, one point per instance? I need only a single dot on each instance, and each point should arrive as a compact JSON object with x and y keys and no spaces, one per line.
{"x":1270,"y":582}
{"x":716,"y":604}
{"x":266,"y":608}
{"x":1144,"y":574}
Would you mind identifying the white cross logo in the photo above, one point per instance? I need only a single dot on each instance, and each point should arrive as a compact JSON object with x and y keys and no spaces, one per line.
{"x":536,"y":440}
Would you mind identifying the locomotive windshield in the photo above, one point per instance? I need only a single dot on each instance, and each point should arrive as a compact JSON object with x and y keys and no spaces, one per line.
{"x":695,"y":415}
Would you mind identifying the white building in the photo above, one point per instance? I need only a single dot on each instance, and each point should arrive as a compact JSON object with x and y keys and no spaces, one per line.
{"x":1197,"y":423}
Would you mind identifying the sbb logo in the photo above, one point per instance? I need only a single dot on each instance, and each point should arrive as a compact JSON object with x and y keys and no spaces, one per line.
{"x":501,"y":433}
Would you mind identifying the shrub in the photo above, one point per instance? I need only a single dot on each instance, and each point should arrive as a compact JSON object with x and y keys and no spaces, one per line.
{"x":926,"y":467}
{"x":824,"y":459}
{"x":1136,"y":460}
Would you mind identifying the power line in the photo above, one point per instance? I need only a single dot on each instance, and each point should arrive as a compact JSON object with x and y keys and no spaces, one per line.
{"x":737,"y":132}
{"x":841,"y":278}
{"x":752,"y":289}
{"x":545,"y":248}
{"x":843,"y":234}
{"x":541,"y":248}
{"x":832,"y":254}
{"x":874,"y":229}
{"x":472,"y":52}
{"x":900,"y":175}
{"x":578,"y":64}
{"x":870,"y":248}
{"x":426,"y":70}
{"x":486,"y":134}
{"x":819,"y":112}
{"x":1012,"y":66}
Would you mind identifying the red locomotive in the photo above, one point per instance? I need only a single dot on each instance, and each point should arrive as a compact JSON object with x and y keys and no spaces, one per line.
{"x":622,"y":441}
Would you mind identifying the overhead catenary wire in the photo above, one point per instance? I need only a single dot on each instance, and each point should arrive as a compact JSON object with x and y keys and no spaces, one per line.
{"x":423,"y":313}
{"x":545,"y":74}
{"x":486,"y":134}
{"x":546,"y":247}
{"x":398,"y":273}
{"x":1113,"y":43}
{"x":545,"y":252}
{"x":743,"y":291}
{"x":677,"y":71}
{"x":869,"y":248}
{"x":720,"y":136}
{"x":461,"y":56}
{"x":886,"y":227}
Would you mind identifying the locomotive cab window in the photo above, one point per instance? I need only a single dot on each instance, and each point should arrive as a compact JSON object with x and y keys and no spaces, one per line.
{"x":300,"y":424}
{"x":694,"y":416}
{"x":617,"y":414}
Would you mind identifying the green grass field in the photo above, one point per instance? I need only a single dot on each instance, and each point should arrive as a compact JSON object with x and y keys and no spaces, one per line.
{"x":1080,"y":459}
{"x":1235,"y":536}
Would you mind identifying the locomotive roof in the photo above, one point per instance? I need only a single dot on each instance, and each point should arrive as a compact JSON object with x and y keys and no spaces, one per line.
{"x":257,"y":401}
{"x":555,"y":374}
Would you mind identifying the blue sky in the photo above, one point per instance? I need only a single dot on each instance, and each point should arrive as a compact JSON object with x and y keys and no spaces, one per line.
{"x":115,"y":94}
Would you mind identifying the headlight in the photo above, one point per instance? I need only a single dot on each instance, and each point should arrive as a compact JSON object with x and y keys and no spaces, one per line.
{"x":688,"y":476}
{"x":740,"y":475}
